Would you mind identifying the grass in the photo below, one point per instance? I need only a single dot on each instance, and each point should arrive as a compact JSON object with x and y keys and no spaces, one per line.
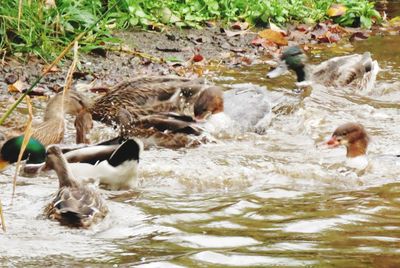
{"x":44,"y":31}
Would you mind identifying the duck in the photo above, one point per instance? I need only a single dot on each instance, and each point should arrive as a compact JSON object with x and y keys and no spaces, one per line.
{"x":144,"y":96}
{"x":355,"y":71}
{"x":74,"y":204}
{"x":35,"y":151}
{"x":113,"y":164}
{"x":51,"y":129}
{"x":153,"y":108}
{"x":355,"y":138}
{"x":244,"y":109}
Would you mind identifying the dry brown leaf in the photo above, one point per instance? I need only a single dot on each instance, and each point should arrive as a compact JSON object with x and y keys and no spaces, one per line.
{"x":234,"y":33}
{"x":275,"y":28}
{"x":53,"y":69}
{"x":240,"y":25}
{"x":17,"y":87}
{"x":336,"y":10}
{"x":275,"y":37}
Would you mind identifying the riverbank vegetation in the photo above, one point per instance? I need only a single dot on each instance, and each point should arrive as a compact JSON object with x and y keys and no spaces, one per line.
{"x":45,"y":27}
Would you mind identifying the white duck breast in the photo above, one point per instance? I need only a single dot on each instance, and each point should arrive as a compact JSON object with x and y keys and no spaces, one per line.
{"x":116,"y":170}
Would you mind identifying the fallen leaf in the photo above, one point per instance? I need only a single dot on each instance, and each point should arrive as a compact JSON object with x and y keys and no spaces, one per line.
{"x":234,"y":33}
{"x":17,"y":87}
{"x":11,"y":79}
{"x":275,"y":28}
{"x":240,"y":25}
{"x":257,"y":41}
{"x":197,"y":58}
{"x":273,"y":36}
{"x":336,"y":10}
{"x":303,"y":28}
{"x":53,"y":69}
{"x":357,"y":36}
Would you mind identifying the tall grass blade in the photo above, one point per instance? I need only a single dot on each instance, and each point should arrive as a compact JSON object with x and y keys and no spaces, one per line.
{"x":57,"y":60}
{"x":27,"y":136}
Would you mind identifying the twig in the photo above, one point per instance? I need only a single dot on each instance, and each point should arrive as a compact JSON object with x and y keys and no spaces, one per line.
{"x":3,"y":222}
{"x":62,"y":54}
{"x":68,"y":78}
{"x":136,"y":53}
{"x":27,"y":136}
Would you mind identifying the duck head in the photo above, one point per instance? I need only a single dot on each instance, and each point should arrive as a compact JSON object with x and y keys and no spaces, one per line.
{"x":210,"y":101}
{"x":351,"y":135}
{"x":292,"y":58}
{"x":83,"y":124}
{"x":35,"y":152}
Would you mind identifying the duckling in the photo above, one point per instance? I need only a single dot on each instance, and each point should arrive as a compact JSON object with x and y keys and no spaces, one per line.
{"x":356,"y":71}
{"x":74,"y":204}
{"x":356,"y":139}
{"x":243,"y":109}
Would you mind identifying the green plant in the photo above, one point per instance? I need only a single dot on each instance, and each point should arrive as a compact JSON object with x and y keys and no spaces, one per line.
{"x":44,"y":31}
{"x":358,"y":13}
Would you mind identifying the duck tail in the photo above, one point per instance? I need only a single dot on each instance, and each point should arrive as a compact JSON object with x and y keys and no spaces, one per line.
{"x":128,"y":150}
{"x":71,"y":218}
{"x":369,"y":78}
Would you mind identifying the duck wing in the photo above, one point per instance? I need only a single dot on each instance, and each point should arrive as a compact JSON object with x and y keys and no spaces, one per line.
{"x":346,"y":70}
{"x":172,"y":123}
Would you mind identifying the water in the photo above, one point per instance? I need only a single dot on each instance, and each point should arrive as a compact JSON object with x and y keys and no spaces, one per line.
{"x":248,"y":200}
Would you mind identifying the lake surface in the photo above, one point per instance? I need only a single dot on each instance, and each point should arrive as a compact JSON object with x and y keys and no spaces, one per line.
{"x":248,"y":200}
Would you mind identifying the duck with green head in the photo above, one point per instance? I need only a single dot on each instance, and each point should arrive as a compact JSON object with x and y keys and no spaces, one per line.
{"x":34,"y":153}
{"x":355,"y":71}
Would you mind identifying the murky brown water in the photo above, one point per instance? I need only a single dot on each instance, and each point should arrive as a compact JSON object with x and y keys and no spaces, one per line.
{"x":270,"y":200}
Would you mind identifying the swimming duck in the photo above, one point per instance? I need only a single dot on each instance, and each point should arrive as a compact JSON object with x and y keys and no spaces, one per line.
{"x":145,"y":96}
{"x":357,"y":71}
{"x":245,"y":109}
{"x":113,"y":165}
{"x":51,"y":130}
{"x":355,"y":138}
{"x":35,"y":152}
{"x":74,"y":204}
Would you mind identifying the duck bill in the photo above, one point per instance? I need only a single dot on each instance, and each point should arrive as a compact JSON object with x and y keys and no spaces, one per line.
{"x":332,"y":142}
{"x":3,"y":164}
{"x":278,"y":71}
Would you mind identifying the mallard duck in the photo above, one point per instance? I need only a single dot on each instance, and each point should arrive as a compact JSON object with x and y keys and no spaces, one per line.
{"x":51,"y":130}
{"x":34,"y":153}
{"x":355,"y":138}
{"x":113,"y":165}
{"x":143,"y":107}
{"x":357,"y":71}
{"x":74,"y":204}
{"x":242,"y":109}
{"x":145,"y":96}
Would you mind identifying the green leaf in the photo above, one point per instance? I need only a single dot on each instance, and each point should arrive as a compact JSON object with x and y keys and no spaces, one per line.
{"x":365,"y":22}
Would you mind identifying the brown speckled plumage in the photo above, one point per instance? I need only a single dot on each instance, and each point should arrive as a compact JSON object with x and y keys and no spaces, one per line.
{"x":146,"y":95}
{"x":74,"y":204}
